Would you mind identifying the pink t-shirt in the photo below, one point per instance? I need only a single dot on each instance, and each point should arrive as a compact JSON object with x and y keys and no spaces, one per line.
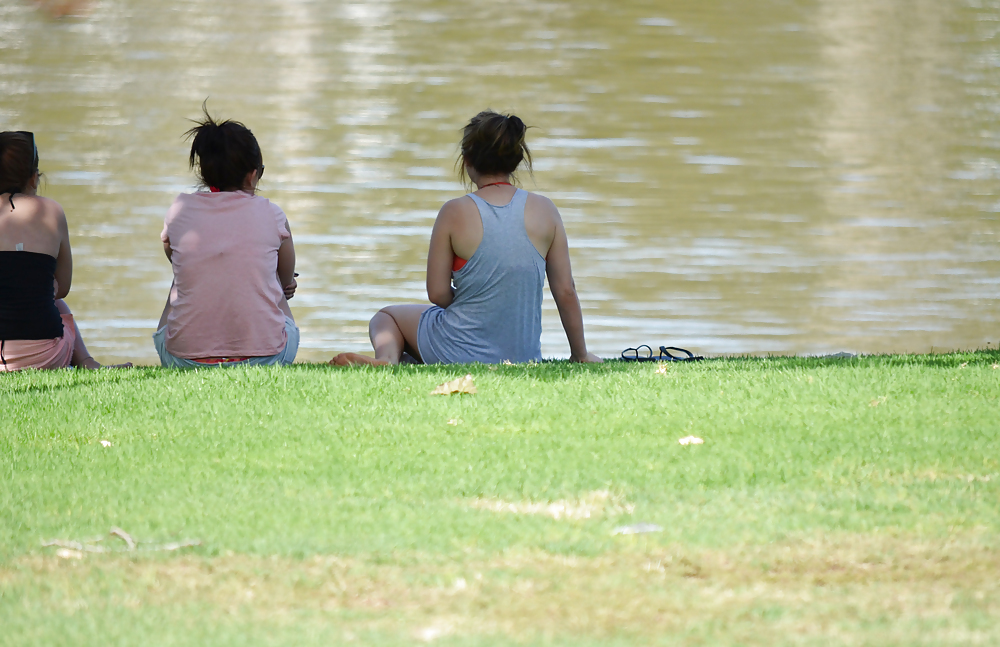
{"x":226,"y":294}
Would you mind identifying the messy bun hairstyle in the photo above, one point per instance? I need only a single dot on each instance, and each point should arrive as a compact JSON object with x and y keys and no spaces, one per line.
{"x":18,"y":161}
{"x":493,"y":144}
{"x":224,"y":152}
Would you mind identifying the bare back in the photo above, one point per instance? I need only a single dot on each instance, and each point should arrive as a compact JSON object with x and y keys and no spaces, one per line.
{"x":37,"y":224}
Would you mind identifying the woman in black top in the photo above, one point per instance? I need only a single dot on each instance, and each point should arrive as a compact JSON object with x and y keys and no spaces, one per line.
{"x":37,"y":329}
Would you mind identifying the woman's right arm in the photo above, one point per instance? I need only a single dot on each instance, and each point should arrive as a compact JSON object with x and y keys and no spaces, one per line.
{"x":440,"y":257}
{"x":557,"y":267}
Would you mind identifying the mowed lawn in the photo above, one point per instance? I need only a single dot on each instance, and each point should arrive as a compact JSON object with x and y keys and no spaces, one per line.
{"x":833,"y":502}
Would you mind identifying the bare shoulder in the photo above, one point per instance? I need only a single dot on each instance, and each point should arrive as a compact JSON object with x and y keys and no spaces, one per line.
{"x":49,"y":209}
{"x":457,"y":207}
{"x":538,"y":202}
{"x":539,"y":207}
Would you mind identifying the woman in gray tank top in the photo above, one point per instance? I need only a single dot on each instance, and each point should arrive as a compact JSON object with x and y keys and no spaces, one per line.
{"x":489,"y":254}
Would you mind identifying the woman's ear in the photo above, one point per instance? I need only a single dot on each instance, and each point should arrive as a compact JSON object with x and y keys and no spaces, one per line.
{"x":250,"y":181}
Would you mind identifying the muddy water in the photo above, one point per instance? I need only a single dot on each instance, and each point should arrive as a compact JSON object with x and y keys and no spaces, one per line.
{"x":776,"y":176}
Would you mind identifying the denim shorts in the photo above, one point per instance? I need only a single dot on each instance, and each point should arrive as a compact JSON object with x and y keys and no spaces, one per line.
{"x":284,"y":357}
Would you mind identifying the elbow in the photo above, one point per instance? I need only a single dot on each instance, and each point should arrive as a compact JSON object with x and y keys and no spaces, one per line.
{"x":440,"y":299}
{"x":563,"y":292}
{"x":440,"y":292}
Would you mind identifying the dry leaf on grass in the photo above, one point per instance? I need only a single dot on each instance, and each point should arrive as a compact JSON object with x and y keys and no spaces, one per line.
{"x":879,"y":400}
{"x":661,"y":369}
{"x":461,"y":385}
{"x":691,"y":440}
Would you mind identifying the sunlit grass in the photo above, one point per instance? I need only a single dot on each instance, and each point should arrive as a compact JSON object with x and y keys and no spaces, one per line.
{"x":832,"y":502}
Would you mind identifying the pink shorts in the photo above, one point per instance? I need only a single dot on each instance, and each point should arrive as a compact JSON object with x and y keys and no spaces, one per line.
{"x":40,"y":353}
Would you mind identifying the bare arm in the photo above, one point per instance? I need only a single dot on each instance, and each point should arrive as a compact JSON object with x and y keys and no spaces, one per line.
{"x":440,"y":257}
{"x":286,"y":265}
{"x":64,"y":260}
{"x":557,"y":267}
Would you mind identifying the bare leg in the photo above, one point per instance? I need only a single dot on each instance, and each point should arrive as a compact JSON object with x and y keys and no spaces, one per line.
{"x":393,"y":331}
{"x":81,"y":356}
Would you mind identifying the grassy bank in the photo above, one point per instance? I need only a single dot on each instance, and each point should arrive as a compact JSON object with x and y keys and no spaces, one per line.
{"x":832,"y":502}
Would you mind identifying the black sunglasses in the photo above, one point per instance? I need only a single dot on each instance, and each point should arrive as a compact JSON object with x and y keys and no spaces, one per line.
{"x":260,"y":171}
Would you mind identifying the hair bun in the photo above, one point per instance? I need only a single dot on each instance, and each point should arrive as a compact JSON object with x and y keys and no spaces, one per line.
{"x":224,"y":152}
{"x":494,"y":144}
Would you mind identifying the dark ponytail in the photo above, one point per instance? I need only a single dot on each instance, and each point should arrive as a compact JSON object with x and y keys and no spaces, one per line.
{"x":494,"y":144}
{"x":224,"y":152}
{"x":18,"y":162}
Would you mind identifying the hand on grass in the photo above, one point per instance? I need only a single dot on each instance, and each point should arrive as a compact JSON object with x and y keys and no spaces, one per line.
{"x":589,"y":359}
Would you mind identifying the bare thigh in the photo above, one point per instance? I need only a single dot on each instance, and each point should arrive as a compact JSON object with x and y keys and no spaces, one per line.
{"x":407,"y":318}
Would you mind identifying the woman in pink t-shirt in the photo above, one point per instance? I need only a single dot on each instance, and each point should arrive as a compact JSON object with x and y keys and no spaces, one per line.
{"x":233,"y":261}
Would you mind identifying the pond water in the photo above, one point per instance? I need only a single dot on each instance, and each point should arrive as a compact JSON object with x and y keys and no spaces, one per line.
{"x":776,"y":176}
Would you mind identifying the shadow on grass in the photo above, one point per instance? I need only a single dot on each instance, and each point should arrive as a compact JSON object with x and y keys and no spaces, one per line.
{"x":545,"y":371}
{"x":69,"y":379}
{"x":561,"y":369}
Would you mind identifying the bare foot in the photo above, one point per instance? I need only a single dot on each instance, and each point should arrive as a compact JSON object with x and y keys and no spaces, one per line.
{"x":355,"y":359}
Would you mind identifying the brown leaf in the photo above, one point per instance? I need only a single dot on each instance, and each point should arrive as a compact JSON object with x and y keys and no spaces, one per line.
{"x":461,"y":385}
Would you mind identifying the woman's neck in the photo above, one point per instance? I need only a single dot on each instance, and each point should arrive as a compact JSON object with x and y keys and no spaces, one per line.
{"x":28,"y":190}
{"x":482,"y":182}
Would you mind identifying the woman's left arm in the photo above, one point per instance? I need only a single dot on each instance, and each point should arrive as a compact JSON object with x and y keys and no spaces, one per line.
{"x":64,"y":260}
{"x":286,"y":265}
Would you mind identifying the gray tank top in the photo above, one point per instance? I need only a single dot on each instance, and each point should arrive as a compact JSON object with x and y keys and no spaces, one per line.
{"x":497,"y":311}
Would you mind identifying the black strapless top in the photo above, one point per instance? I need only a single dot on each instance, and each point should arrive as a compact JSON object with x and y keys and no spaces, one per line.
{"x":27,"y":297}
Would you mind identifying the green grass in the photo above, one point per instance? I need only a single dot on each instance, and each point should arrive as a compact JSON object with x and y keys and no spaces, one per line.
{"x":852,"y":502}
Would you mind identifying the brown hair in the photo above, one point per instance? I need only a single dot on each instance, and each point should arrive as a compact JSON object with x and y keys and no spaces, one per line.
{"x":18,"y":161}
{"x":493,"y":144}
{"x":224,"y":152}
